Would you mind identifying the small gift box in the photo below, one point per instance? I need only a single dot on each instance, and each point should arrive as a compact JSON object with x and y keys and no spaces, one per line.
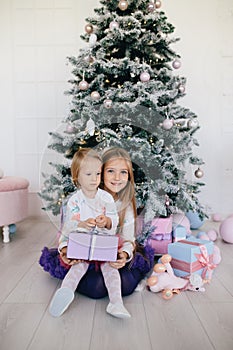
{"x":192,"y":255}
{"x":178,"y":233}
{"x":89,"y":246}
{"x":160,"y":242}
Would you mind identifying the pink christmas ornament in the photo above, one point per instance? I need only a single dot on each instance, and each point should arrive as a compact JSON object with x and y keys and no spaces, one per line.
{"x":168,"y":124}
{"x":114,"y":25}
{"x":108,"y":103}
{"x":123,"y":5}
{"x":88,"y":28}
{"x":158,"y":4}
{"x":83,"y":85}
{"x":95,"y":95}
{"x":151,"y":7}
{"x":144,"y":77}
{"x":176,"y":64}
{"x":226,"y":229}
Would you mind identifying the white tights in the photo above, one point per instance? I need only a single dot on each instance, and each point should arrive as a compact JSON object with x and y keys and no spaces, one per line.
{"x":111,"y":278}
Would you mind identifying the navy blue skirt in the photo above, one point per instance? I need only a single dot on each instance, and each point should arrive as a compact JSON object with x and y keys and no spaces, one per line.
{"x":92,"y":283}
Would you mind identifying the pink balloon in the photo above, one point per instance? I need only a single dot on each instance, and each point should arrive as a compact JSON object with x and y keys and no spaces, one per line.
{"x":226,"y":229}
{"x":212,"y":234}
{"x":217,"y":217}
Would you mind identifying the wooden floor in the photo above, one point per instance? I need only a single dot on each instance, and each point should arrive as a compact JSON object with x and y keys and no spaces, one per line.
{"x":188,"y":321}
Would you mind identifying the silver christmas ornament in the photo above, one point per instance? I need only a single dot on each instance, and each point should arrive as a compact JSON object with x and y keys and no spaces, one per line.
{"x":199,"y":173}
{"x":193,"y":123}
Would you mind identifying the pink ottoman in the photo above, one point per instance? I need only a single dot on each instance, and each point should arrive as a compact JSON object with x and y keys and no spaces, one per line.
{"x":13,"y":202}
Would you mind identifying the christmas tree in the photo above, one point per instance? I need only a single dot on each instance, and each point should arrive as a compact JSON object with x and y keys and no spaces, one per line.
{"x":124,"y":92}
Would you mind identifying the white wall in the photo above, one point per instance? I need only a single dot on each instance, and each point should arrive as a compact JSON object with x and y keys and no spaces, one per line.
{"x":36,"y":36}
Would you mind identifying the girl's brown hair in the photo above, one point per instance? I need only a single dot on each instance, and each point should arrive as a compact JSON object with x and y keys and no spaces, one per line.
{"x":127,"y":194}
{"x":79,"y":156}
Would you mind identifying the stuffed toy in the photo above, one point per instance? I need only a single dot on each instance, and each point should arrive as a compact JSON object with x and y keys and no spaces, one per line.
{"x":163,"y":279}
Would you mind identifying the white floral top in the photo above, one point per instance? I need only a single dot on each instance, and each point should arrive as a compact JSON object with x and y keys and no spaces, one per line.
{"x":80,"y":208}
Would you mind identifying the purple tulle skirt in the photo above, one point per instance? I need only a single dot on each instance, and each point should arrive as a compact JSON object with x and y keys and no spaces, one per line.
{"x":92,"y":283}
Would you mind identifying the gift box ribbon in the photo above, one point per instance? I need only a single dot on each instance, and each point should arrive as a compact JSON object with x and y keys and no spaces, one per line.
{"x":204,"y":261}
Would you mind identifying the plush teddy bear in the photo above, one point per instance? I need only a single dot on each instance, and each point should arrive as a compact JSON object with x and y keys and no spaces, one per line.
{"x":163,"y":279}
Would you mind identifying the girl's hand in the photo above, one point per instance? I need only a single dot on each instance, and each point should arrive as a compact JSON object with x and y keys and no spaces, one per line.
{"x":103,"y":221}
{"x":121,"y":261}
{"x":87,"y":224}
{"x":63,"y":255}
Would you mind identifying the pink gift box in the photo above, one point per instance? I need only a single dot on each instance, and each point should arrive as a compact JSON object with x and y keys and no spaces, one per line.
{"x":162,"y":225}
{"x":87,"y":246}
{"x":160,"y":246}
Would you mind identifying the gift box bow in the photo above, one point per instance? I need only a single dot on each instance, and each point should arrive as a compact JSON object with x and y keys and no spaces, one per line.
{"x":205,"y":261}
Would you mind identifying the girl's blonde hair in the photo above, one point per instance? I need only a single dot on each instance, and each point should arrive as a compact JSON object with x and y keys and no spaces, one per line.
{"x":78,"y":158}
{"x":127,"y":194}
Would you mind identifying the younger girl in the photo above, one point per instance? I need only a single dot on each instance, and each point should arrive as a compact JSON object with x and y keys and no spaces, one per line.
{"x":87,"y":208}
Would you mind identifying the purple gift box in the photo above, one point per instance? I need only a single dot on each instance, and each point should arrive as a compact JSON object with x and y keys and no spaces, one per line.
{"x":87,"y":246}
